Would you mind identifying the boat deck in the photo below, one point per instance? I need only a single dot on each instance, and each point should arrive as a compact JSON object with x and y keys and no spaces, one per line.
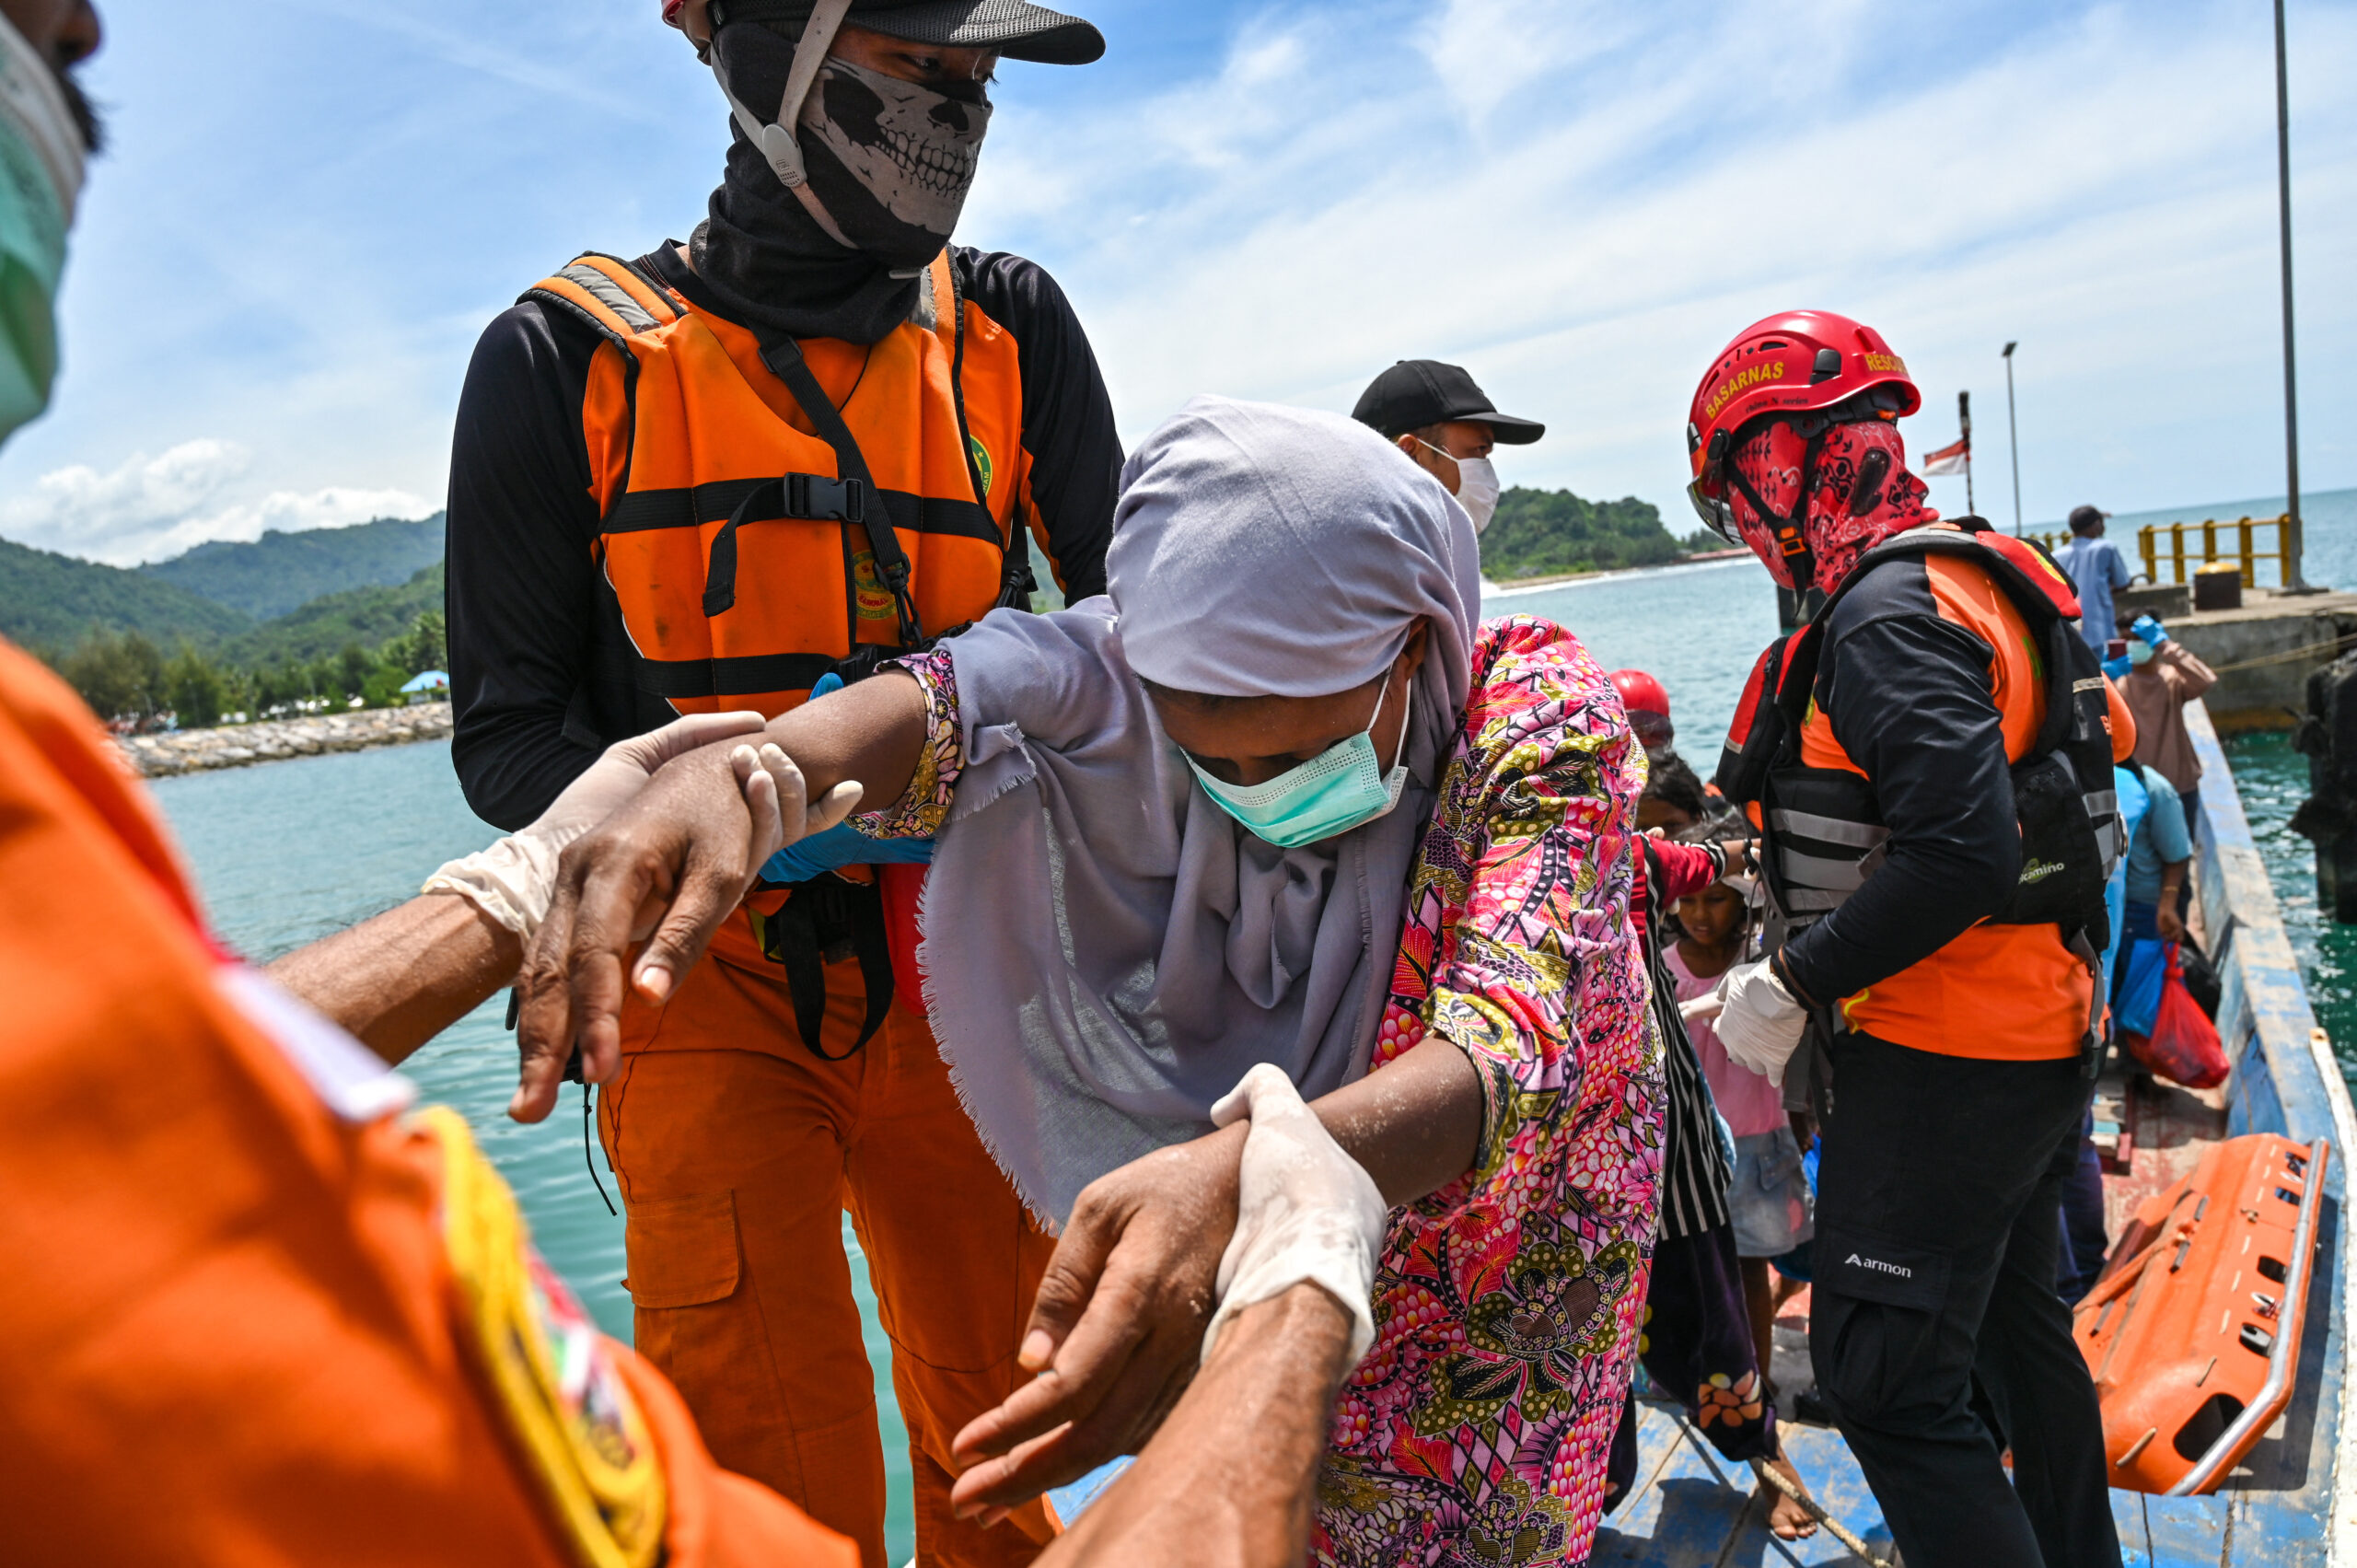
{"x":2289,"y":1501}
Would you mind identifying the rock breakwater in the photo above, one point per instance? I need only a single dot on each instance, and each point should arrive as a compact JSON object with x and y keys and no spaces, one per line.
{"x":240,"y":746}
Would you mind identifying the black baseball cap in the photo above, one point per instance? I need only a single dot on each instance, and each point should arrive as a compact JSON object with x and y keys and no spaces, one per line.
{"x":1418,"y":392}
{"x":2085,"y":517}
{"x":1014,"y":28}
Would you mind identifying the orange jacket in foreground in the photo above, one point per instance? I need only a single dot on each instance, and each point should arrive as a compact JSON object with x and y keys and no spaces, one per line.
{"x":253,"y":1317}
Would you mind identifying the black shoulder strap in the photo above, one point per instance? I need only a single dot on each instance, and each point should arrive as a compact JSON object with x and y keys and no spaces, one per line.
{"x":1017,"y":582}
{"x":859,"y":505}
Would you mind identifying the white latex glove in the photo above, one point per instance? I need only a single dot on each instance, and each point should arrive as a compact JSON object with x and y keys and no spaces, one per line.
{"x":513,"y":880}
{"x":783,"y":811}
{"x":1305,"y":1210}
{"x":1703,"y":1008}
{"x":1759,"y":1023}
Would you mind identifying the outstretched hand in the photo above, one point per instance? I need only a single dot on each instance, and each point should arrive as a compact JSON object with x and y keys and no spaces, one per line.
{"x":663,"y":870}
{"x":1117,"y":1329}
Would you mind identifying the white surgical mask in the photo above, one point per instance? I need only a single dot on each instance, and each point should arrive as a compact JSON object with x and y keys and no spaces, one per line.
{"x":1477,"y":490}
{"x":1477,"y":484}
{"x":2139,"y":651}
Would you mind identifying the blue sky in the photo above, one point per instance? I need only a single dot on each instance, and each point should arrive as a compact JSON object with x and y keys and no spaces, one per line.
{"x":313,"y":206}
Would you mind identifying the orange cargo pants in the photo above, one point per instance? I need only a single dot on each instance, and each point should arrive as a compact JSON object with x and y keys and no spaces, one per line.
{"x":738,"y":1151}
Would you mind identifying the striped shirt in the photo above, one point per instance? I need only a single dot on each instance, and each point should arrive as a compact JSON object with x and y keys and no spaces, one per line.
{"x":1695,"y":1169}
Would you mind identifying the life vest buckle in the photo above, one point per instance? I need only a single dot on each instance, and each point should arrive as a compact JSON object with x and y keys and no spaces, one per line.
{"x":816,"y":498}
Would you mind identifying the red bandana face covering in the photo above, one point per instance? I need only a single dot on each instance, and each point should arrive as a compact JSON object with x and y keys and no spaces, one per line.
{"x":1860,"y":494}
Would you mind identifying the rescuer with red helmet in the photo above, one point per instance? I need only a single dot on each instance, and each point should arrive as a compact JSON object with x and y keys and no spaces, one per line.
{"x":1929,"y":762}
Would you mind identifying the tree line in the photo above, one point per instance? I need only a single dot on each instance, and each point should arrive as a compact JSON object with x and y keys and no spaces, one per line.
{"x":124,"y":677}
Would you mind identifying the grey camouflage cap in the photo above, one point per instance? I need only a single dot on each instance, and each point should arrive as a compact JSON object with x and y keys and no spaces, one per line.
{"x":1017,"y":29}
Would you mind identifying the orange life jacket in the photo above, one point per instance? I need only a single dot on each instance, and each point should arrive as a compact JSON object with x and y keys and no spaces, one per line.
{"x":747,"y":552}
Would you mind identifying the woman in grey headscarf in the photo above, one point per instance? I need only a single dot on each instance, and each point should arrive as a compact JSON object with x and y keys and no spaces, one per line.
{"x":1277,"y":797}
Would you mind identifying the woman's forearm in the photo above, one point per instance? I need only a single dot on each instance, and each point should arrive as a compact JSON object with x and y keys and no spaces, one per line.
{"x":398,"y":980}
{"x":1415,"y":1124}
{"x":873,"y":733}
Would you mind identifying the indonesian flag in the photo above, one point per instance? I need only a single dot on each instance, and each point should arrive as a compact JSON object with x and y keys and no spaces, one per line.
{"x":1948,"y":460}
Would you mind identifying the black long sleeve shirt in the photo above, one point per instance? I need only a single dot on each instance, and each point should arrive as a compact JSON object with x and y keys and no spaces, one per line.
{"x":1906,"y":691}
{"x":524,"y":605}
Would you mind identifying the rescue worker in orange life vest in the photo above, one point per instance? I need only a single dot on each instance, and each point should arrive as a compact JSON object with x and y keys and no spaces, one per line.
{"x":1936,"y":866}
{"x":709,"y":478}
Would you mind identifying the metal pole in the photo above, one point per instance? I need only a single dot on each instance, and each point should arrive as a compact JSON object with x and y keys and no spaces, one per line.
{"x":2014,"y":437}
{"x":1964,"y":417}
{"x":2294,"y":581}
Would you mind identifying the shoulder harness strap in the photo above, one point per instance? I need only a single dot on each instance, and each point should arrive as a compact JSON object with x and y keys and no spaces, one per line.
{"x":610,"y":294}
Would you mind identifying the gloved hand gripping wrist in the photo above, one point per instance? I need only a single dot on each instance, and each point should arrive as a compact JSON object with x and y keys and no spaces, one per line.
{"x":513,"y":881}
{"x":1306,"y":1210}
{"x":1760,"y":1021}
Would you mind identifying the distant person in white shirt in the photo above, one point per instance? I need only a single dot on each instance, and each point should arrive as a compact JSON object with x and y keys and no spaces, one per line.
{"x":2096,"y":570}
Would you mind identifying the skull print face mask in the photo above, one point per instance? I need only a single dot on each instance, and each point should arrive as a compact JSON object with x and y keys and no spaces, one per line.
{"x":890,"y":160}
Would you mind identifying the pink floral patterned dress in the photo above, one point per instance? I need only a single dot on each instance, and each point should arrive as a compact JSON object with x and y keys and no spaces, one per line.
{"x":1507,"y":1304}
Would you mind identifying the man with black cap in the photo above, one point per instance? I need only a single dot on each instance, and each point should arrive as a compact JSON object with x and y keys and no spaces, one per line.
{"x":1448,"y":426}
{"x":2095,"y":571}
{"x":715,"y":478}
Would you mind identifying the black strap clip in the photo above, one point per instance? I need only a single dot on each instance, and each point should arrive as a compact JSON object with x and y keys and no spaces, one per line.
{"x":816,"y":498}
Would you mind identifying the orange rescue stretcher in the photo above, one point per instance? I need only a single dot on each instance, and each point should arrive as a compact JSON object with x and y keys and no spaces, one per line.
{"x":2193,"y":1331}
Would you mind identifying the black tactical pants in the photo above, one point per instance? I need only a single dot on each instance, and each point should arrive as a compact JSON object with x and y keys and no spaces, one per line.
{"x":1937,"y":1225}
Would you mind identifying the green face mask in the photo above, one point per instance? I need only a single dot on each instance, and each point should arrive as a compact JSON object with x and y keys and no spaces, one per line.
{"x":41,"y":179}
{"x":1341,"y":788}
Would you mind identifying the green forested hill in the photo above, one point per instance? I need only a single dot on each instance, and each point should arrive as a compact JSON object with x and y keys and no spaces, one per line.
{"x":325,"y":625}
{"x":282,"y":572}
{"x":48,"y":601}
{"x":1541,"y":532}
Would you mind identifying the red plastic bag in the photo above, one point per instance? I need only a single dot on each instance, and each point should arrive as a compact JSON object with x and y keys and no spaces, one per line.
{"x":2183,"y":1046}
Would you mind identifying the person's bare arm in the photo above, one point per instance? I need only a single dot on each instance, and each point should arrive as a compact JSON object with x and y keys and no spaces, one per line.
{"x":398,"y":980}
{"x":2171,"y":927}
{"x":1118,"y":1324}
{"x":2188,"y":674}
{"x":1230,"y":1479}
{"x":670,"y":867}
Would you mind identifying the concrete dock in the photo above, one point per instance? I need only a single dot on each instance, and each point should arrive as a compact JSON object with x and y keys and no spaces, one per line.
{"x":2262,"y":651}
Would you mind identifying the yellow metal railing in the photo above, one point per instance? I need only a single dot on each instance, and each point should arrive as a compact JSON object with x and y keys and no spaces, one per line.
{"x":2176,"y":545}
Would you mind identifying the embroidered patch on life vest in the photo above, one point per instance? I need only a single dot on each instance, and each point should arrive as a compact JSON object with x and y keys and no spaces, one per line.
{"x":982,"y":456}
{"x":564,"y":1400}
{"x":875,"y":600}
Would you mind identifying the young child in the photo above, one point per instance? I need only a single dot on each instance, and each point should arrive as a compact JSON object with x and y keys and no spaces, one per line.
{"x":1768,"y":1200}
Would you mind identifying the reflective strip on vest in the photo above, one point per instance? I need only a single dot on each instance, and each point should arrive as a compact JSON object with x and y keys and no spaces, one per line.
{"x":1843,"y":876}
{"x":1828,"y":830}
{"x":610,"y":294}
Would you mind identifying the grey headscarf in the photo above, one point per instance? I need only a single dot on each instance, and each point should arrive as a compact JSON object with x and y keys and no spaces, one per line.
{"x":1106,"y":950}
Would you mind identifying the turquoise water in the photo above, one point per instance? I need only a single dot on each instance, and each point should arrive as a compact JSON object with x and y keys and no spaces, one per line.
{"x":288,"y":851}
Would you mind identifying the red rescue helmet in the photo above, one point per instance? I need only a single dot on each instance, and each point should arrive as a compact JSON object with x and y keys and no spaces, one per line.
{"x":1811,"y":366}
{"x":1648,"y":706}
{"x":1640,"y":692}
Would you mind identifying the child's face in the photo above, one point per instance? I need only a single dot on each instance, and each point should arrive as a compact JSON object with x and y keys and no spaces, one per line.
{"x":1712,"y":916}
{"x":1654,"y":812}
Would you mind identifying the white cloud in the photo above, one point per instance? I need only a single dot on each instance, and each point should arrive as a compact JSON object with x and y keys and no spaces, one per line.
{"x":152,"y":508}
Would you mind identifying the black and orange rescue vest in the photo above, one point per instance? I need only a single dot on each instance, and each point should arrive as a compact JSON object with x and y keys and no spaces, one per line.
{"x":2017,"y":985}
{"x":772,"y":511}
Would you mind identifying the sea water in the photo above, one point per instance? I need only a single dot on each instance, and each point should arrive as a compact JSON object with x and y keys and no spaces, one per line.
{"x":288,"y":851}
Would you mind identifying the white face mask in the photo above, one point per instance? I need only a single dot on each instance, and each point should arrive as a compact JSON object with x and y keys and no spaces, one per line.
{"x":1477,"y":490}
{"x":1477,"y":485}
